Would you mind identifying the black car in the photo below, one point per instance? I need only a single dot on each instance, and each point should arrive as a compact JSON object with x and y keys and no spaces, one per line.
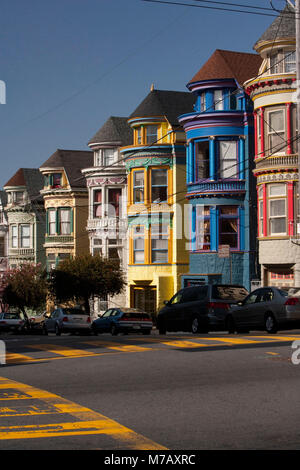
{"x":199,"y":309}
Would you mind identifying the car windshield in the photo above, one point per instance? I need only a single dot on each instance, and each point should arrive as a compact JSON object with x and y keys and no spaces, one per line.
{"x":229,"y":292}
{"x":73,"y":311}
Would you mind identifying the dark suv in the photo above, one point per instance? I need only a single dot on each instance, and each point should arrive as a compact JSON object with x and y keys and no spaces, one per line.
{"x":199,"y":309}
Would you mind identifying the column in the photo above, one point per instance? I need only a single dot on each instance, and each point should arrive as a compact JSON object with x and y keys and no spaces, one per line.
{"x":255,"y":134}
{"x":262,"y":131}
{"x":212,"y":158}
{"x":242,"y":157}
{"x":289,"y":129}
{"x":290,"y":211}
{"x":265,"y":222}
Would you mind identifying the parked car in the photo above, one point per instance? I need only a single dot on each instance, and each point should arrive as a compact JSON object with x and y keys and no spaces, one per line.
{"x":67,"y":320}
{"x":266,"y":308}
{"x":12,"y":321}
{"x":199,"y":309}
{"x":123,"y":320}
{"x":36,"y":322}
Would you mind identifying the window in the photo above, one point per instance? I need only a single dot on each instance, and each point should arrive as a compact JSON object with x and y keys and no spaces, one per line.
{"x":25,"y":236}
{"x":97,"y":246}
{"x":138,"y":245}
{"x":19,"y":197}
{"x":56,"y":180}
{"x":114,"y":202}
{"x":139,"y":135}
{"x":290,"y":61}
{"x":283,"y":62}
{"x":98,"y":158}
{"x":14,"y":236}
{"x":113,"y":255}
{"x":202,"y":227}
{"x":276,"y":131}
{"x":228,"y":226}
{"x":159,"y":183}
{"x":65,"y":221}
{"x":108,"y":157}
{"x":228,"y":159}
{"x":202,"y":102}
{"x":202,"y":160}
{"x":218,"y":100}
{"x":138,"y":186}
{"x":97,"y":205}
{"x":52,"y":222}
{"x":151,"y":134}
{"x":277,"y":209}
{"x":159,"y":243}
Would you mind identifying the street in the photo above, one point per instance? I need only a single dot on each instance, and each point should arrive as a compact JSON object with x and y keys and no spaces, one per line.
{"x":176,"y":392}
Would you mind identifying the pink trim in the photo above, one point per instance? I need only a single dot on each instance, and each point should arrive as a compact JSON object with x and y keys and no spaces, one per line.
{"x":290,"y":191}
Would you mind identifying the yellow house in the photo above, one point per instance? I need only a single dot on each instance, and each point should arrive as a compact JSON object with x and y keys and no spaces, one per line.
{"x":155,"y":163}
{"x":66,"y":203}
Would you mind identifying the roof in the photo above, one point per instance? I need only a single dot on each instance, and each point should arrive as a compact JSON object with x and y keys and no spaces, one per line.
{"x":115,"y":129}
{"x":169,"y":104}
{"x":240,"y":66}
{"x":72,"y":161}
{"x":284,"y":26}
{"x":30,"y":178}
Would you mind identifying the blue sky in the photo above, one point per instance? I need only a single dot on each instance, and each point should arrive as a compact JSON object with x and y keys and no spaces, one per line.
{"x":69,"y":65}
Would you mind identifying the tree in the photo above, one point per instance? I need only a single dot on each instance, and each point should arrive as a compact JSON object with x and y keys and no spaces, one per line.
{"x":25,"y":287}
{"x":84,"y":277}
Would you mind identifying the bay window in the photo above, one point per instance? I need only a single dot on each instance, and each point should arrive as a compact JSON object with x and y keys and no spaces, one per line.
{"x":52,"y":222}
{"x":114,"y":202}
{"x":159,"y":243}
{"x":159,"y":184}
{"x":65,"y":221}
{"x":138,"y":186}
{"x":218,"y":100}
{"x":14,"y":236}
{"x":277,"y":209}
{"x":276,"y":131}
{"x":202,"y":227}
{"x":97,"y":203}
{"x":138,"y":244}
{"x":228,"y":226}
{"x":228,"y":159}
{"x":151,"y":134}
{"x":25,"y":236}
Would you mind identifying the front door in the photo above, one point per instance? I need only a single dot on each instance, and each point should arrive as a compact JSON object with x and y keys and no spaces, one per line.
{"x":144,"y":298}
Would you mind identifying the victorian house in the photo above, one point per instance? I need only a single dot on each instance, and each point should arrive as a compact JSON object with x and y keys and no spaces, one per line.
{"x":106,"y":181}
{"x":25,"y":217}
{"x":273,"y":92}
{"x":66,"y":203}
{"x":155,"y":163}
{"x":220,"y":184}
{"x":3,"y":232}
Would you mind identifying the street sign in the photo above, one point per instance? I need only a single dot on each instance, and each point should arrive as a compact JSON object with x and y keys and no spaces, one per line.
{"x":224,"y":251}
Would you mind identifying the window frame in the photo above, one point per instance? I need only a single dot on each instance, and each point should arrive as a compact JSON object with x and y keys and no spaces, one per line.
{"x":166,"y":185}
{"x":271,"y":132}
{"x":160,"y":235}
{"x":138,"y":187}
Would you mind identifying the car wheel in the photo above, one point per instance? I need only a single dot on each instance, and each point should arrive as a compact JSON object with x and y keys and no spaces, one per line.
{"x":114,"y":330}
{"x":230,"y":325}
{"x":195,"y":327}
{"x":270,"y":323}
{"x":57,"y":330}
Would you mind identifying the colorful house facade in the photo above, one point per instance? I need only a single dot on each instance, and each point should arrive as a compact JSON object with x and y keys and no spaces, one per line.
{"x":273,"y":93}
{"x":66,"y":203}
{"x":220,"y":184}
{"x":107,"y":194}
{"x":25,"y":217}
{"x":156,"y":188}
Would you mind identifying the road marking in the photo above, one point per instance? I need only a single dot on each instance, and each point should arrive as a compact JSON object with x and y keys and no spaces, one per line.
{"x":62,"y":350}
{"x":232,"y":341}
{"x":118,"y":346}
{"x":88,"y":422}
{"x":13,"y":358}
{"x":279,"y":338}
{"x":186,"y":344}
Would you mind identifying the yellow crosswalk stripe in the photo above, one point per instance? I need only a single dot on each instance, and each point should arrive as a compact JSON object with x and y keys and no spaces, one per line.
{"x":279,"y":338}
{"x":232,"y":340}
{"x":87,"y":422}
{"x":118,"y":346}
{"x":62,"y":350}
{"x":13,"y":358}
{"x":186,"y":344}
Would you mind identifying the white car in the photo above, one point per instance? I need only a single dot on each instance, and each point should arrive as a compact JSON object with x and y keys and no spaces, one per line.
{"x":67,"y":320}
{"x":12,"y":321}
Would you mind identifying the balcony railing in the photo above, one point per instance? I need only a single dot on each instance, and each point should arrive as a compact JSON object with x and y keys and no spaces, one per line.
{"x":59,"y":239}
{"x":286,"y":161}
{"x":15,"y":252}
{"x":107,"y":223}
{"x":217,"y":186}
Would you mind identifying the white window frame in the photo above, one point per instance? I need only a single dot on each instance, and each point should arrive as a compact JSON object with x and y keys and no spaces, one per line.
{"x":218,"y":100}
{"x":228,"y":168}
{"x":276,"y":132}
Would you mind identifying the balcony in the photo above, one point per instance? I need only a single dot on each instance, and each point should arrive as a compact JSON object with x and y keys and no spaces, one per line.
{"x":59,"y":240}
{"x":274,"y":162}
{"x":21,"y":252}
{"x":107,"y":224}
{"x":216,"y":187}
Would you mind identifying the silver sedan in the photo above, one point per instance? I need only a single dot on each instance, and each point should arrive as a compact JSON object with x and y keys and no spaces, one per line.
{"x":267,"y":308}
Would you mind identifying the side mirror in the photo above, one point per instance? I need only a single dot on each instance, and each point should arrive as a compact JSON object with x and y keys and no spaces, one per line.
{"x":240,"y":303}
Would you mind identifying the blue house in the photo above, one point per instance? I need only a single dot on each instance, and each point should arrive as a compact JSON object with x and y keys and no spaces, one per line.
{"x":220,"y":184}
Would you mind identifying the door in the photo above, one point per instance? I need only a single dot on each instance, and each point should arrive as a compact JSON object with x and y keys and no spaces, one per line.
{"x":104,"y":321}
{"x":144,"y":298}
{"x":247,"y":315}
{"x":51,"y":322}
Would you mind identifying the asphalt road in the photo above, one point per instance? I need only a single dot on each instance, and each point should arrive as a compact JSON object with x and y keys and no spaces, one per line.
{"x":179,"y":392}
